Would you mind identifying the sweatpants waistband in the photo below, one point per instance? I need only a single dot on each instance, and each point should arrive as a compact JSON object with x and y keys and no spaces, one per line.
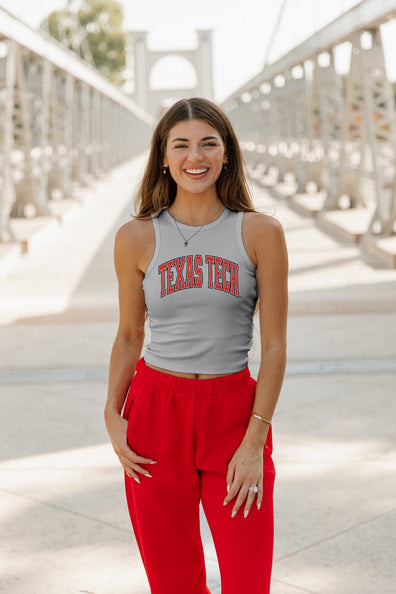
{"x":217,"y":385}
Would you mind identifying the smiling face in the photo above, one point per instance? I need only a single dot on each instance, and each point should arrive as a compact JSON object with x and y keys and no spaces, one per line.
{"x":195,"y":156}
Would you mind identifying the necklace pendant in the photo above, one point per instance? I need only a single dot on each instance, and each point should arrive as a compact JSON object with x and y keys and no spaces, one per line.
{"x":185,"y":243}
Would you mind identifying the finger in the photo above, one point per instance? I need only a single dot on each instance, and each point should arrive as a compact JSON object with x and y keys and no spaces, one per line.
{"x":233,"y":491}
{"x":240,"y":499}
{"x":138,"y":469}
{"x":249,"y":502}
{"x":260,"y":494}
{"x":230,"y":474}
{"x":125,"y":452}
{"x":229,"y":479}
{"x":137,"y":458}
{"x":134,"y":470}
{"x":129,"y":452}
{"x":131,"y":466}
{"x":132,"y":475}
{"x":134,"y":458}
{"x":142,"y":460}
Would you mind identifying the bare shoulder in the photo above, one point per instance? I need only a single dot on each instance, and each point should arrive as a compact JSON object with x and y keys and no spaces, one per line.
{"x":134,"y":242}
{"x":134,"y":233}
{"x":262,"y":225}
{"x":262,"y":235}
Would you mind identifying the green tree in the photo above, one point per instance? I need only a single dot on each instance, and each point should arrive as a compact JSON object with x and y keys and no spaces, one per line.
{"x":94,"y":31}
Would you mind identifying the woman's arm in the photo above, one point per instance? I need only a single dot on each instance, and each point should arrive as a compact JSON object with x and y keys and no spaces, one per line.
{"x":129,"y":253}
{"x":272,"y":273}
{"x":266,"y":246}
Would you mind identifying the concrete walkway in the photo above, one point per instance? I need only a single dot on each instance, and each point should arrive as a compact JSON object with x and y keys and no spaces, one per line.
{"x":64,"y":524}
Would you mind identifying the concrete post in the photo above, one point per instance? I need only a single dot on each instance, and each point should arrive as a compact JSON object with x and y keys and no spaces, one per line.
{"x":141,"y":74}
{"x":41,"y":182}
{"x":68,"y":134}
{"x":205,"y":75}
{"x":329,"y":100}
{"x":380,"y":131}
{"x":7,"y":84}
{"x":354,"y":141}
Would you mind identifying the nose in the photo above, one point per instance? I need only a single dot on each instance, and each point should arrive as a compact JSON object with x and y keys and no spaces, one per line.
{"x":195,"y":154}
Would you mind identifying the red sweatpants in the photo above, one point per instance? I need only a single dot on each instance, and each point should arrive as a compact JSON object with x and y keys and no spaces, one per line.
{"x":192,"y":428}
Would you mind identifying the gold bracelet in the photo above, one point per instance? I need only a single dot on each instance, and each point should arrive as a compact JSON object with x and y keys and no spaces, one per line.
{"x":256,"y":416}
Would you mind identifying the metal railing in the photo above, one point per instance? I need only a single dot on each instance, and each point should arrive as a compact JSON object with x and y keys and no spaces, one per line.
{"x":300,"y":117}
{"x":61,"y":123}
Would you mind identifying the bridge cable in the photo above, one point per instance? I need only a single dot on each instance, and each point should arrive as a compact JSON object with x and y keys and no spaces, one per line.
{"x":275,"y":32}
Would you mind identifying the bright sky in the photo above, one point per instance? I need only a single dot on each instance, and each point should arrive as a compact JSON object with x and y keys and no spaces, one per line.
{"x":241,"y":30}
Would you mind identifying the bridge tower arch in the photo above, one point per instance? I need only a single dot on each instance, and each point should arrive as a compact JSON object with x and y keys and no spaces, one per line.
{"x":152,"y":100}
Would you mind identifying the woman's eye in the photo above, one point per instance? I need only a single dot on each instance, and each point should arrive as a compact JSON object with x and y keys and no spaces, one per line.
{"x":206,"y":144}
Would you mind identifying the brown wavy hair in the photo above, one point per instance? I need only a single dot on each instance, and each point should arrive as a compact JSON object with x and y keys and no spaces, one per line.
{"x":157,"y":190}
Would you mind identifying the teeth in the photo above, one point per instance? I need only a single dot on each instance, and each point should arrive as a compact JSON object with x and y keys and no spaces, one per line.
{"x":197,"y":170}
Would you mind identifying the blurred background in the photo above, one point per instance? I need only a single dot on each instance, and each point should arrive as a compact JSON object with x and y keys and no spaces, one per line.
{"x":242,"y":34}
{"x":310,"y":90}
{"x":244,"y":37}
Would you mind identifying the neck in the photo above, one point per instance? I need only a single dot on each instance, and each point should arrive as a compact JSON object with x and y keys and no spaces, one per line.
{"x":196,"y":210}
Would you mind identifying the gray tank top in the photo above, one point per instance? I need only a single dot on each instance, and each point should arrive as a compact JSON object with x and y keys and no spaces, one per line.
{"x":200,"y":297}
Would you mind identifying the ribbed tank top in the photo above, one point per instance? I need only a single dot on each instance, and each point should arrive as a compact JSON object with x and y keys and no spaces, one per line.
{"x":201,"y":297}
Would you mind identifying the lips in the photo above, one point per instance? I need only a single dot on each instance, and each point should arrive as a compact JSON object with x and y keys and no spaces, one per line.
{"x":197,"y":172}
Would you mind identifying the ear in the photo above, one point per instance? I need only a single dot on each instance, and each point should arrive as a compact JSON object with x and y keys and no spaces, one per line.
{"x":165,"y":162}
{"x":225,"y":159}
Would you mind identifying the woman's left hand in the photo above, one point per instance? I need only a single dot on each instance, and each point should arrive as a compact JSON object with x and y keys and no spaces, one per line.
{"x":244,"y":471}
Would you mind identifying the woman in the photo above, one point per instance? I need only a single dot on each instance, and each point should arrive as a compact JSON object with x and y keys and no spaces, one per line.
{"x":193,"y":425}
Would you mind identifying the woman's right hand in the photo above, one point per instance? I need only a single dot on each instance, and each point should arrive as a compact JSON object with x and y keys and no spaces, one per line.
{"x":116,"y":427}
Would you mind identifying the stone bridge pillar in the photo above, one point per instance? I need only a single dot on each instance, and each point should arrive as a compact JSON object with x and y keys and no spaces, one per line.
{"x":200,"y":59}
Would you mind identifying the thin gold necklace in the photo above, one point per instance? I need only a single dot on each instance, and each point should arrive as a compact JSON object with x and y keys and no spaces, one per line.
{"x":187,"y":240}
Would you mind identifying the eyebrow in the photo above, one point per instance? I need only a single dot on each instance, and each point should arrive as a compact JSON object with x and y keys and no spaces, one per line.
{"x":186,"y":139}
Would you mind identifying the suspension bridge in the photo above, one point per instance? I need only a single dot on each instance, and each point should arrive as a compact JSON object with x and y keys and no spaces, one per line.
{"x":319,"y":147}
